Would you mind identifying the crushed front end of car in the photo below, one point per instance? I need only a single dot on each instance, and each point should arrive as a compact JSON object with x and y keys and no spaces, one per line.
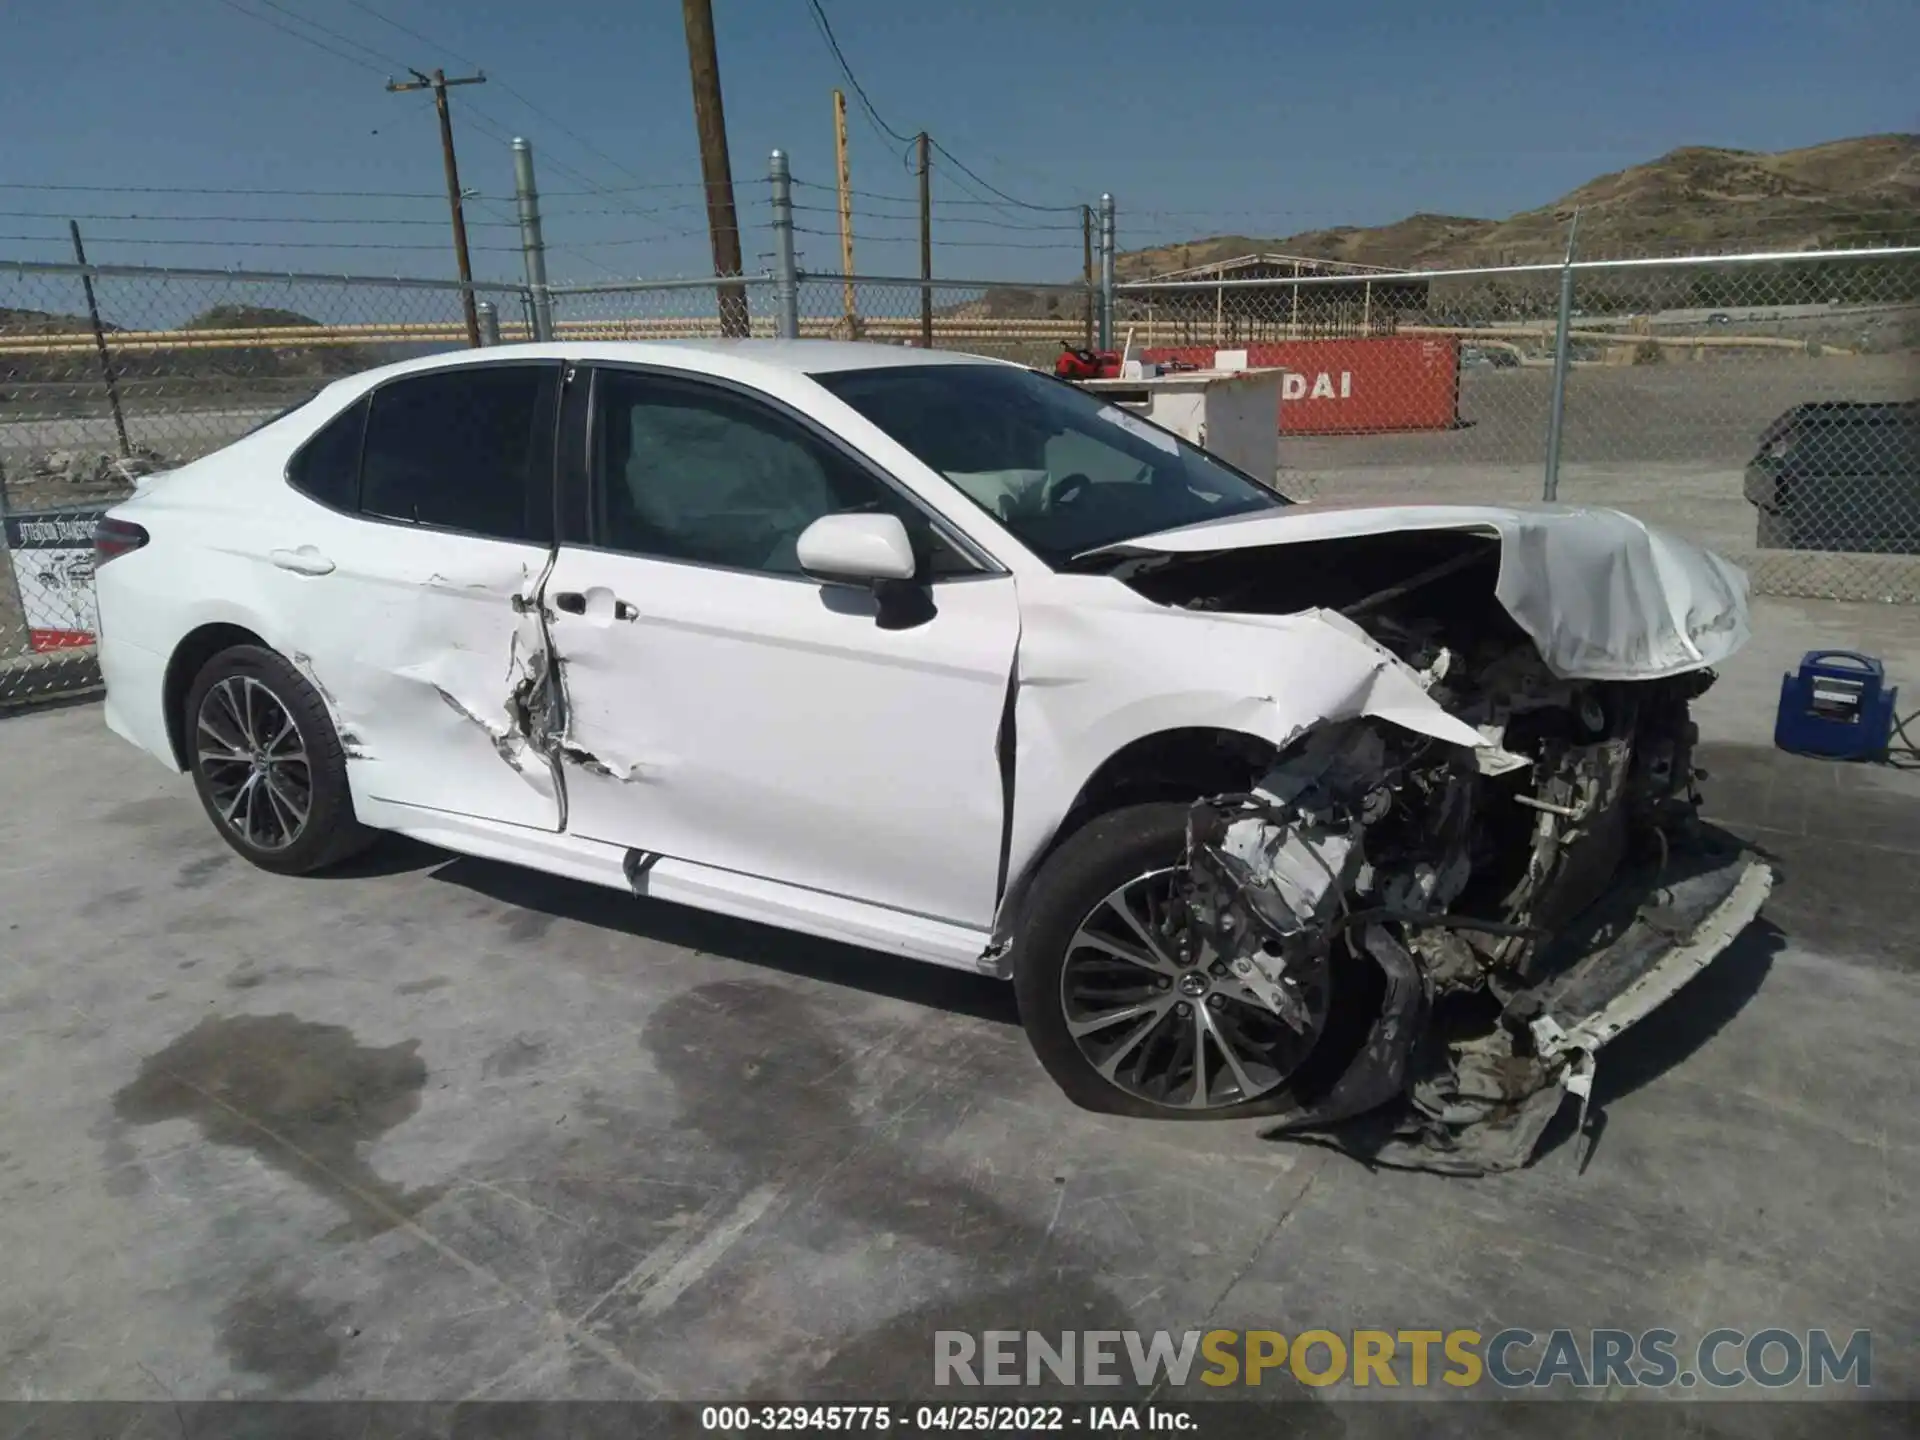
{"x":1460,"y":930}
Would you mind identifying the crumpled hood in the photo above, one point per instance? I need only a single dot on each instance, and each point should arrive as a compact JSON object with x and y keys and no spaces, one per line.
{"x":1603,"y":595}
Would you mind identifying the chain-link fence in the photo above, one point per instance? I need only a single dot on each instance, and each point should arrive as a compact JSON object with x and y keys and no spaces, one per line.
{"x":1768,"y":407}
{"x":108,"y":373}
{"x":1027,"y":323}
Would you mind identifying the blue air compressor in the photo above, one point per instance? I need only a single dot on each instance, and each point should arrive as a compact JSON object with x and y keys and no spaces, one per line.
{"x":1837,"y":705}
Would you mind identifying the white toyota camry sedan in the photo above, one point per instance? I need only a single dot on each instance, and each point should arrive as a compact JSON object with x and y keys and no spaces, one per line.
{"x":1376,"y":821}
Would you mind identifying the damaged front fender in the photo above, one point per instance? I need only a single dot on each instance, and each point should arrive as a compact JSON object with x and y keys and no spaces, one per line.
{"x":1100,"y":671}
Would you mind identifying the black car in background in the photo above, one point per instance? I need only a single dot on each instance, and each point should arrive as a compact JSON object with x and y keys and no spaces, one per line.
{"x":1839,"y":475}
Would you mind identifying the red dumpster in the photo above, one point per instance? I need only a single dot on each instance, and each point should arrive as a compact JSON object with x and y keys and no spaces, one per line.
{"x":1346,"y":387}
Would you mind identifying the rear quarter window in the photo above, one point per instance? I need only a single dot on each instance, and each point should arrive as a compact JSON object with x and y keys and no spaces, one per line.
{"x":327,"y":467}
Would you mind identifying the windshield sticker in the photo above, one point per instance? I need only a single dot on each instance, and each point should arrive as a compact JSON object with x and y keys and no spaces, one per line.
{"x":1134,"y":425}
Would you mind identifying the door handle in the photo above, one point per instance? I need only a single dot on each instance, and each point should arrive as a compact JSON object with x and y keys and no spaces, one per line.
{"x":574,"y":602}
{"x":304,"y":561}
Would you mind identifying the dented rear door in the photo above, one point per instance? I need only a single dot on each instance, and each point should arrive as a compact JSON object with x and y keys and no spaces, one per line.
{"x":409,"y":588}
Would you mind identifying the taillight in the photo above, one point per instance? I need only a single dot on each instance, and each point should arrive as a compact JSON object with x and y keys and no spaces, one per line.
{"x":112,"y":538}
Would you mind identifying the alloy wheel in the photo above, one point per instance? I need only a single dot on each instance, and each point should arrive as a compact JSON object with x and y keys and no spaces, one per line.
{"x":254,"y":762}
{"x":1160,"y":1015}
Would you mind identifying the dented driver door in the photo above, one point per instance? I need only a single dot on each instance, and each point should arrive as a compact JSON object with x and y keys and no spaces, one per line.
{"x":725,"y":709}
{"x":407,"y":583}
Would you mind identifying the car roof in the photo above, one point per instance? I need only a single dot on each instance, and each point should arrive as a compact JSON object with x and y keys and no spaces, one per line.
{"x":735,"y":359}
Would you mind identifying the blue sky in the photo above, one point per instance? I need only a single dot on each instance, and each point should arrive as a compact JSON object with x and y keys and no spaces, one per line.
{"x":1228,"y":116}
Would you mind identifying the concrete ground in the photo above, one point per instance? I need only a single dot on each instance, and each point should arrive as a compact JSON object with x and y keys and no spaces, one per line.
{"x":436,"y":1128}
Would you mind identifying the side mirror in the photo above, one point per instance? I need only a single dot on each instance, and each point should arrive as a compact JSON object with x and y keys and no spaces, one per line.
{"x":856,"y":549}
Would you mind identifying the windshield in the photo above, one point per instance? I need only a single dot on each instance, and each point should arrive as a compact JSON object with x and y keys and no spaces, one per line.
{"x":1064,"y":470}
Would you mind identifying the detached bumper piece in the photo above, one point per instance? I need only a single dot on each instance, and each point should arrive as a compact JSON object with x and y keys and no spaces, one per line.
{"x":1479,"y":1101}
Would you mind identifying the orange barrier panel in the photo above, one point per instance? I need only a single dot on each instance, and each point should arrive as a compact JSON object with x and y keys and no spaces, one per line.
{"x":1346,"y":387}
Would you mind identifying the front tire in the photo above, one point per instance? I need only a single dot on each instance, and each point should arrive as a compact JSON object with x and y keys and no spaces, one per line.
{"x":1116,"y":1014}
{"x":268,"y":764}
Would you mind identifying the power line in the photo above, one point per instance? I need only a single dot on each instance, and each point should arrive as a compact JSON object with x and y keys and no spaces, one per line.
{"x":992,"y":221}
{"x":243,"y":219}
{"x":191,"y":190}
{"x":644,"y":239}
{"x":480,"y":123}
{"x":489,"y":126}
{"x":301,"y":35}
{"x":411,"y":33}
{"x":622,"y":210}
{"x":298,"y":18}
{"x":635,"y":189}
{"x":962,"y":167}
{"x":257,"y":244}
{"x":945,"y":204}
{"x":944,"y":244}
{"x":553,"y":120}
{"x":825,"y":28}
{"x":552,"y":249}
{"x":484,"y":123}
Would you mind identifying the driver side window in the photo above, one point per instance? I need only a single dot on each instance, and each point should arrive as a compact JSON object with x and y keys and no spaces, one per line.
{"x":699,"y":473}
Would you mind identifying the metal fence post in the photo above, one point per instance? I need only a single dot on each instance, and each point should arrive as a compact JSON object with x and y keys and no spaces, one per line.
{"x":786,"y":280}
{"x":1106,"y":272}
{"x":1550,"y":486}
{"x":100,"y":341}
{"x":532,"y":244}
{"x":488,"y":314}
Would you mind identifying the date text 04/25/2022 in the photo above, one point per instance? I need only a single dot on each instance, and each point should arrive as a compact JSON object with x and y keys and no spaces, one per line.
{"x":1021,"y":1419}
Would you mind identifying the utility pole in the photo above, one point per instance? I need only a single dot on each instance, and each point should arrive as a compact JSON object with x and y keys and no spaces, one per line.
{"x":926,"y":246}
{"x":438,"y":83}
{"x":786,"y":276}
{"x":1086,"y":268}
{"x":716,"y":169}
{"x":533,"y":246}
{"x":845,"y":174}
{"x":1106,"y":272}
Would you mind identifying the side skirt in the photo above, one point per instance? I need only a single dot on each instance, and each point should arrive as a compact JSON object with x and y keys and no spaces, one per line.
{"x":681,"y":882}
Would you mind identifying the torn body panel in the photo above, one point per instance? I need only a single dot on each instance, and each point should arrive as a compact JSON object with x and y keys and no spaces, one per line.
{"x":1602,"y":595}
{"x":1458,"y":782}
{"x":430,"y":652}
{"x":1101,"y":668}
{"x":1517,"y":923}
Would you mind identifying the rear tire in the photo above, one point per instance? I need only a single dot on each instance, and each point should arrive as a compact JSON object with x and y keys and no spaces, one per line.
{"x":268,"y":764}
{"x":1153,"y":1076}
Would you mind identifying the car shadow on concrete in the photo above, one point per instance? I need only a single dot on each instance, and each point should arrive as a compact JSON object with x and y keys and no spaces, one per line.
{"x":390,"y":854}
{"x":750,"y":942}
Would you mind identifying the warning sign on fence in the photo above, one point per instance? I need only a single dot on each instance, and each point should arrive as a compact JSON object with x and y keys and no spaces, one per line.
{"x":52,"y":556}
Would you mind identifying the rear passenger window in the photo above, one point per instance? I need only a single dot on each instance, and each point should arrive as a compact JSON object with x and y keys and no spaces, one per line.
{"x":328,"y":466}
{"x":465,"y":449}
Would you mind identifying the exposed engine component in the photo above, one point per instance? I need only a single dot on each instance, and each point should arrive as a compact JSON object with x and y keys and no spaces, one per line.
{"x":1445,"y":896}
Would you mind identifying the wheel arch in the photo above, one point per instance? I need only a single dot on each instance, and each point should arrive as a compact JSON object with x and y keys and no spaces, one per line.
{"x":189,"y":657}
{"x":1181,"y":763}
